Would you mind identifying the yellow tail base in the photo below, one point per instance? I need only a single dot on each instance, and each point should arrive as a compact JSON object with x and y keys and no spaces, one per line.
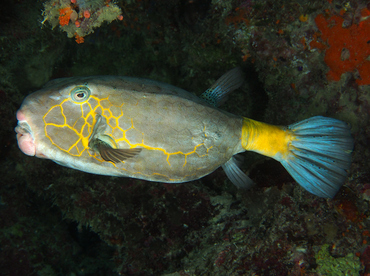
{"x":269,"y":140}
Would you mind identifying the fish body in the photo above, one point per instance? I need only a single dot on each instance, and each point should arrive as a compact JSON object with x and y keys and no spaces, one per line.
{"x":145,"y":129}
{"x":181,"y":137}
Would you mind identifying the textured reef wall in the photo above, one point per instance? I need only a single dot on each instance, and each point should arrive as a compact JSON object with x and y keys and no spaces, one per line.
{"x":79,"y":18}
{"x":301,"y":58}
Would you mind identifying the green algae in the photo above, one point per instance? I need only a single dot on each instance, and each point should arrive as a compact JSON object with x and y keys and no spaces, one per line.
{"x":328,"y":265}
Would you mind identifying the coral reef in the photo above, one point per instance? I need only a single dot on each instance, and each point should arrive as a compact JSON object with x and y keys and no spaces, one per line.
{"x":79,"y":18}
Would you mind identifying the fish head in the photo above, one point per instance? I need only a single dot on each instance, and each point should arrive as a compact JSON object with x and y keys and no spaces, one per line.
{"x":58,"y":121}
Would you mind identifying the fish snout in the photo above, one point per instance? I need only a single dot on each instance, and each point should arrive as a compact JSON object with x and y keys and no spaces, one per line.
{"x":26,"y":141}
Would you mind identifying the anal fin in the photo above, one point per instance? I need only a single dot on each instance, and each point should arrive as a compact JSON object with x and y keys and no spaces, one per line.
{"x":236,"y":175}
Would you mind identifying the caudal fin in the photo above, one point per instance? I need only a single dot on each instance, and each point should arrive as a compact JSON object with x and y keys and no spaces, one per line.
{"x":319,"y":154}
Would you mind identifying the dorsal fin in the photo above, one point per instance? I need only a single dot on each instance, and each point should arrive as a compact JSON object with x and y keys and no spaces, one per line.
{"x":217,"y":93}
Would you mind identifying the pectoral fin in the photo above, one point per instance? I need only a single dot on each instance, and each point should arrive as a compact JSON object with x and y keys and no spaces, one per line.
{"x":106,"y":146}
{"x":114,"y":155}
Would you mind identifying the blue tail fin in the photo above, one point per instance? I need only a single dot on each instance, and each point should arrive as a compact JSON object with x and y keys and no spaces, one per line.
{"x":319,"y":154}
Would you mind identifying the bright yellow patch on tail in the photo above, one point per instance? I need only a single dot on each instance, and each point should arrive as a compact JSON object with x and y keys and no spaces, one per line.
{"x":269,"y":140}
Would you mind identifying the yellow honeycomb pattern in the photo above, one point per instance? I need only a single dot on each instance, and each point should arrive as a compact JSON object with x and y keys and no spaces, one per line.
{"x":69,"y":126}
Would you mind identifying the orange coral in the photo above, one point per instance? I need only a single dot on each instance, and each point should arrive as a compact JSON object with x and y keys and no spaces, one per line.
{"x":239,"y":17}
{"x":79,"y":39}
{"x":87,"y":14}
{"x":316,"y":44}
{"x":348,"y":48}
{"x":64,"y":16}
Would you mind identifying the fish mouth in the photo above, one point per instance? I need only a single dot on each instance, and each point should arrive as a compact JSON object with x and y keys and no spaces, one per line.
{"x":26,"y":141}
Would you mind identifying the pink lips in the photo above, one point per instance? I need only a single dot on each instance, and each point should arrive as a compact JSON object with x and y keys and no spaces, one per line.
{"x":25,"y":140}
{"x":20,"y":116}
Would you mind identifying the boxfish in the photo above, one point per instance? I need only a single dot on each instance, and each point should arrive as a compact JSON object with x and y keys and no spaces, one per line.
{"x":145,"y":129}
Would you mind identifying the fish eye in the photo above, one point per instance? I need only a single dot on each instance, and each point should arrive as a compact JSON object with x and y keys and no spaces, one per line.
{"x":80,"y":94}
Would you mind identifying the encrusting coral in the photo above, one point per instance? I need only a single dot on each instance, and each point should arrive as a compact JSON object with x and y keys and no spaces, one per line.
{"x":347,"y":49}
{"x":79,"y":18}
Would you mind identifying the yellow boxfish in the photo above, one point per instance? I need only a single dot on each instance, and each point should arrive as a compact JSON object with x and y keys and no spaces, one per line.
{"x":124,"y":126}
